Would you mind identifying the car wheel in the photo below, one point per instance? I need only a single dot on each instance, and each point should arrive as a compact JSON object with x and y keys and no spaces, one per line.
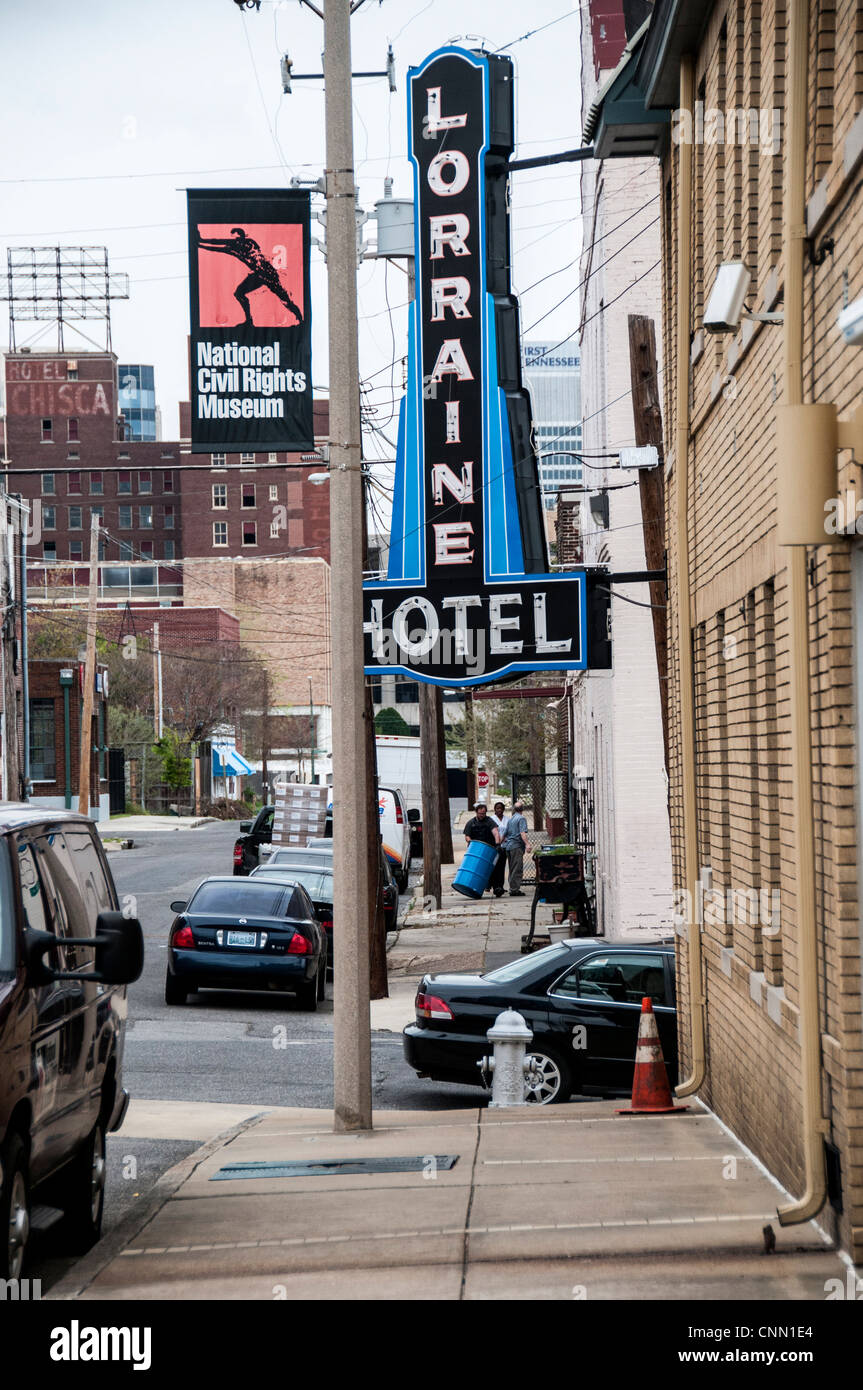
{"x":81,"y":1193}
{"x":307,"y":994}
{"x":14,"y":1209}
{"x":553,"y":1081}
{"x":175,"y":993}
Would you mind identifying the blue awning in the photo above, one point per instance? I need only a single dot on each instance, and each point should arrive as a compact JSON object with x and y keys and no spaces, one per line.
{"x":227,"y":762}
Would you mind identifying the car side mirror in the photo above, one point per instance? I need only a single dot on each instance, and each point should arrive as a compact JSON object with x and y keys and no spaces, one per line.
{"x":179,"y":905}
{"x":118,"y":945}
{"x":414,"y":816}
{"x":245,"y":827}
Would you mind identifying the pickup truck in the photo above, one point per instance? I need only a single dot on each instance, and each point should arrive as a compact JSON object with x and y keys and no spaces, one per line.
{"x":253,"y":834}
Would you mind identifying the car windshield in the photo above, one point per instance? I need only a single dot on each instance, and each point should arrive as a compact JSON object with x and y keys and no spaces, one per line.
{"x":317,"y":882}
{"x":300,"y":855}
{"x":525,"y":965}
{"x":239,"y":898}
{"x":7,"y":916}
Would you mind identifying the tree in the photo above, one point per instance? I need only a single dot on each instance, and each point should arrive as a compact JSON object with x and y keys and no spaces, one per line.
{"x":176,"y":767}
{"x":389,"y":721}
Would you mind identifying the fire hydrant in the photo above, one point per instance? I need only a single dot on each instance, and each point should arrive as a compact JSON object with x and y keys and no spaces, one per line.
{"x":510,"y":1066}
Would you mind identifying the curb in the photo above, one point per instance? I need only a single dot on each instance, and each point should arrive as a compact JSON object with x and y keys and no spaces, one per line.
{"x":91,"y":1265}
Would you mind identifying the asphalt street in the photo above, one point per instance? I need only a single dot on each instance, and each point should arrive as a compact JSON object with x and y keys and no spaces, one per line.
{"x":220,"y":1046}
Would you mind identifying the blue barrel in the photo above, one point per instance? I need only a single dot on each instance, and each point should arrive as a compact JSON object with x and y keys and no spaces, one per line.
{"x":475,"y":869}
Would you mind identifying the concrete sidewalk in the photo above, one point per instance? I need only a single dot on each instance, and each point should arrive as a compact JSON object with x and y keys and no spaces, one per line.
{"x":120,"y":827}
{"x":542,"y":1203}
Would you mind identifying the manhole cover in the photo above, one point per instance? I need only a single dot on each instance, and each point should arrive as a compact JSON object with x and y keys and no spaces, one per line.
{"x":331,"y":1167}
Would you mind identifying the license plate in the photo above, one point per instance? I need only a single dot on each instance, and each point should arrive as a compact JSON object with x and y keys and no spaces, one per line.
{"x":242,"y":938}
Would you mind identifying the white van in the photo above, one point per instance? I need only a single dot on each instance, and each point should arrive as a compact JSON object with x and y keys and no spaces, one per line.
{"x":395,"y":833}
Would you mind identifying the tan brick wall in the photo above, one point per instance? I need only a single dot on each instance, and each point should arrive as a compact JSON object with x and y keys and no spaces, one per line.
{"x":283,"y":607}
{"x":740,"y":606}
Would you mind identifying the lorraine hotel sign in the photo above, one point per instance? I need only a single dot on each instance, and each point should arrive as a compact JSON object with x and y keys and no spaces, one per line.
{"x":468,"y":598}
{"x":251,"y":367}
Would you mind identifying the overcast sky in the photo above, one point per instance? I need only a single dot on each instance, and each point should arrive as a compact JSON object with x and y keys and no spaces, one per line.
{"x":112,"y":108}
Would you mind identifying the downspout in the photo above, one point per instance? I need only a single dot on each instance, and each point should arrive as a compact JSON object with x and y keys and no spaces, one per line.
{"x":67,"y":750}
{"x":686,"y":692}
{"x":793,"y":237}
{"x":25,"y":653}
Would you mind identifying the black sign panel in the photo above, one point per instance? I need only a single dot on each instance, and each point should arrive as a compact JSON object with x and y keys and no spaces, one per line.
{"x":251,"y":362}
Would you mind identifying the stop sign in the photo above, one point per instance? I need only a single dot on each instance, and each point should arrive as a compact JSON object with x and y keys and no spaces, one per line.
{"x":482,"y":779}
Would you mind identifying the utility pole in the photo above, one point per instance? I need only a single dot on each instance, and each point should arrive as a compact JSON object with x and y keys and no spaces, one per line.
{"x":265,"y":734}
{"x":651,"y":487}
{"x":157,"y":693}
{"x":470,"y":747}
{"x":351,"y":792}
{"x":84,"y":794}
{"x":446,"y":854}
{"x":312,"y":729}
{"x":429,"y":764}
{"x":9,"y":787}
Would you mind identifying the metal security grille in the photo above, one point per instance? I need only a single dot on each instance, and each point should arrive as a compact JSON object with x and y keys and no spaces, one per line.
{"x":326,"y":1167}
{"x":546,"y":808}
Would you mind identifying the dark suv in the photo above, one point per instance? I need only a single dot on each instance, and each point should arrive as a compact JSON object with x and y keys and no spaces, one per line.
{"x":253,"y":834}
{"x":66,"y":953}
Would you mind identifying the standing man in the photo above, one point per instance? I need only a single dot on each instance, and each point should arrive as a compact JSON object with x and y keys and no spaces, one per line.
{"x":482,"y":827}
{"x":515,"y":845}
{"x":501,"y":820}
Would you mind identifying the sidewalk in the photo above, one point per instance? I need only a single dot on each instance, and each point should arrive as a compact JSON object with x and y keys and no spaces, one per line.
{"x":120,"y":827}
{"x":543,"y":1203}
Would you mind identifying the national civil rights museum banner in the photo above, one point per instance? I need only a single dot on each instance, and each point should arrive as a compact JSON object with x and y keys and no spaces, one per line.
{"x":251,"y":332}
{"x":468,"y":598}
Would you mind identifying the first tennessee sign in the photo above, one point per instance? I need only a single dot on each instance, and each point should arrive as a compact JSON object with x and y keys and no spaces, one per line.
{"x":467,"y":598}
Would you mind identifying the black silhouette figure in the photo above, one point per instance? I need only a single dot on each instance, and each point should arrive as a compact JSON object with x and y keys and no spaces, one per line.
{"x":264,"y":275}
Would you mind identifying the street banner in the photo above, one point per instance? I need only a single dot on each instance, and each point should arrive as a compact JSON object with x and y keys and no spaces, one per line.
{"x":251,"y":330}
{"x":468,"y":598}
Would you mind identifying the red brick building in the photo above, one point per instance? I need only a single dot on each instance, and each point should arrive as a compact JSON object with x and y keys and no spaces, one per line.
{"x":56,"y":706}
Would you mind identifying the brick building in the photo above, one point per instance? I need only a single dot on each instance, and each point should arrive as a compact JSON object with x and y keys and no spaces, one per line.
{"x":56,"y":708}
{"x":767,"y":598}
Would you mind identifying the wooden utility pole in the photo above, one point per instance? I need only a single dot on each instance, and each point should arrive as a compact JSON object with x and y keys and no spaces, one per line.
{"x":89,"y":673}
{"x":470,"y":747}
{"x":429,"y":769}
{"x":10,"y":784}
{"x":647,"y":413}
{"x":265,"y":734}
{"x":157,"y":703}
{"x":446,"y":854}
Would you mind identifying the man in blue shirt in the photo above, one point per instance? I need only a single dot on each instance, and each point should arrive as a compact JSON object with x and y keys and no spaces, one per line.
{"x":515,"y":843}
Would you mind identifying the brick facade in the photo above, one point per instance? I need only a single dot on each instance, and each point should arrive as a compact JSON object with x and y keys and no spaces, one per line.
{"x":48,"y":762}
{"x":740,"y":599}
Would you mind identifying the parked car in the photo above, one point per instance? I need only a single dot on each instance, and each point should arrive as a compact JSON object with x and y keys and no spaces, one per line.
{"x":317,"y":879}
{"x":322,"y":850}
{"x":66,"y":956}
{"x":252,"y":835}
{"x":395,"y":833}
{"x":581,"y":999}
{"x":257,"y":935}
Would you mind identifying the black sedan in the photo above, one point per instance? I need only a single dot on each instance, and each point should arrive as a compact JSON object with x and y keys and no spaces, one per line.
{"x":317,"y":879}
{"x":581,"y":999}
{"x":320,"y":852}
{"x":249,"y":934}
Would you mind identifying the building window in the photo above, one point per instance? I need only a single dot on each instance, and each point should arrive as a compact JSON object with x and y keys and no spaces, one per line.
{"x":168,"y":481}
{"x":49,"y":518}
{"x":98,"y":512}
{"x":43,"y":759}
{"x":75,"y":514}
{"x":275,"y":530}
{"x":219,"y":460}
{"x":169,"y":550}
{"x":73,"y":482}
{"x":124,"y":548}
{"x":71,"y":372}
{"x":73,"y":454}
{"x":220,"y":533}
{"x":274,"y":492}
{"x":145,"y":482}
{"x":47,"y":484}
{"x":169,"y":518}
{"x":146,"y":550}
{"x":247,"y":458}
{"x":124,"y":518}
{"x":220,"y":494}
{"x":124,"y":483}
{"x":248,"y":494}
{"x":76,"y":550}
{"x":49,"y":552}
{"x":47,"y":431}
{"x":407,"y":693}
{"x":145,"y":518}
{"x":96,"y":486}
{"x":72,"y":429}
{"x":250,"y":533}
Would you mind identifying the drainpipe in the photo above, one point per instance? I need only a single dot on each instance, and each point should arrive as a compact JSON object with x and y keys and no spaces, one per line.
{"x":686,"y":693}
{"x":25,"y":654}
{"x":793,"y":236}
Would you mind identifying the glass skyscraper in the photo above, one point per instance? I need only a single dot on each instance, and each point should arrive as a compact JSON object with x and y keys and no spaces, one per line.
{"x":138,"y":401}
{"x":553,"y":376}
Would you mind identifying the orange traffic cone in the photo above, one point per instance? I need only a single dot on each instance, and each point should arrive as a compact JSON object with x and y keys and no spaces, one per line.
{"x":651,"y":1093}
